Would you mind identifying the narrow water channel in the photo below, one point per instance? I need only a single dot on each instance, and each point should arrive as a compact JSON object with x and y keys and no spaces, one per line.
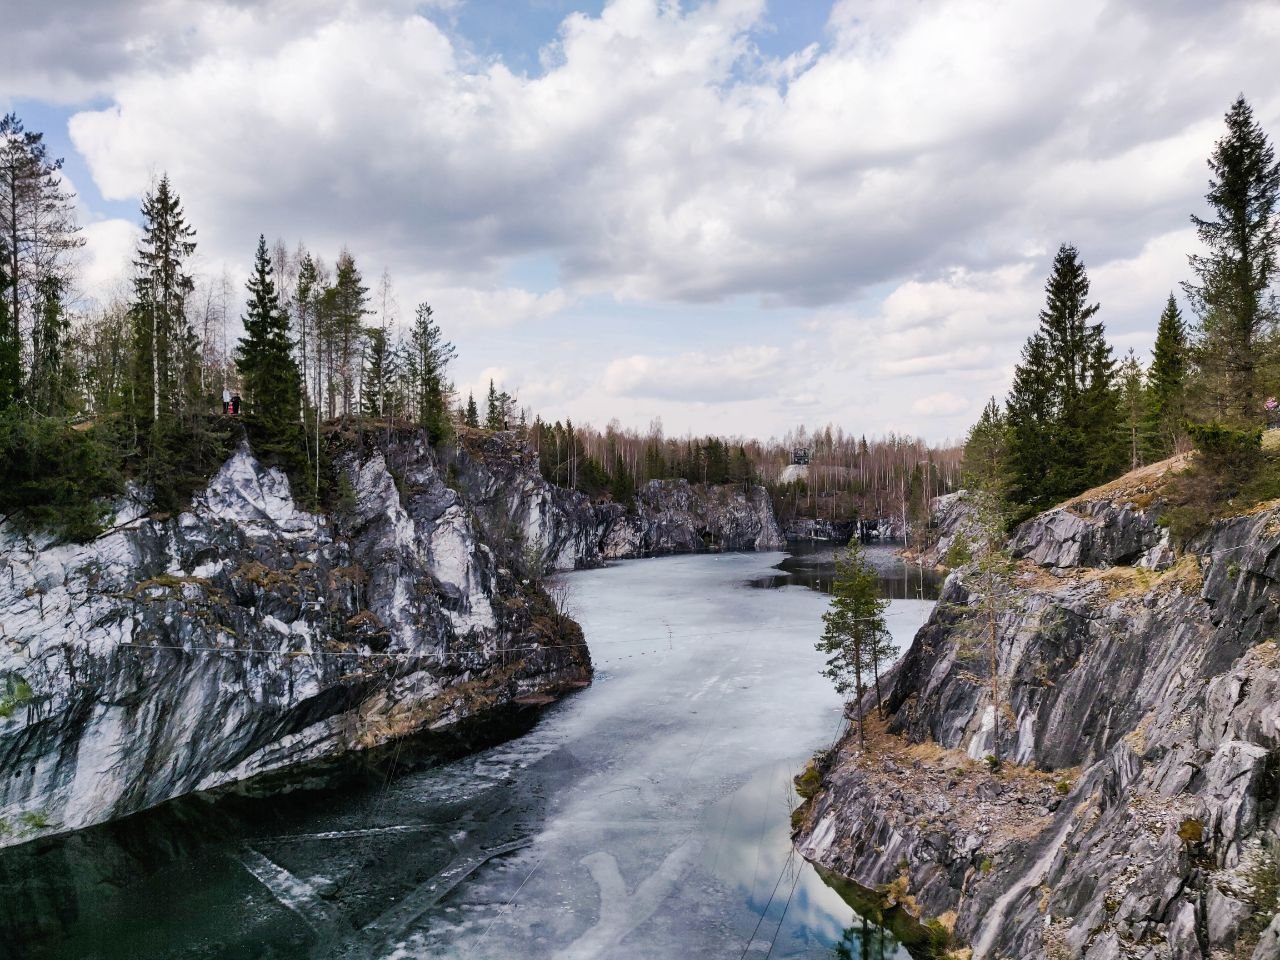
{"x":645,"y":817}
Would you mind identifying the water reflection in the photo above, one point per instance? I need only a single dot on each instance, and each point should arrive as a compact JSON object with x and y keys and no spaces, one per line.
{"x":813,"y":565}
{"x":647,"y":816}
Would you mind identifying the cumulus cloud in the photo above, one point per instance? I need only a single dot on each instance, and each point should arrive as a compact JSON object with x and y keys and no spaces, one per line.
{"x":895,"y":190}
{"x":661,"y":156}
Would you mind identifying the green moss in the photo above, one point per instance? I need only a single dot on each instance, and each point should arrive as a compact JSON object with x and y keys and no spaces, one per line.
{"x":35,"y":820}
{"x":14,"y":692}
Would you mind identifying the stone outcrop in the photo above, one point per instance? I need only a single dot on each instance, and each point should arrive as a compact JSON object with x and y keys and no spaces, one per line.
{"x":250,"y":644}
{"x":567,"y":529}
{"x":675,"y":516}
{"x":247,"y":639}
{"x":1138,"y":811}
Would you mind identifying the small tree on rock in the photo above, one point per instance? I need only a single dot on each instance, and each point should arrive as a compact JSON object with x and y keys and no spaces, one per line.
{"x":852,"y":629}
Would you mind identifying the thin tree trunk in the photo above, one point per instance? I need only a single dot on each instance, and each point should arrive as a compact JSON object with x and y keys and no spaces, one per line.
{"x":995,"y":684}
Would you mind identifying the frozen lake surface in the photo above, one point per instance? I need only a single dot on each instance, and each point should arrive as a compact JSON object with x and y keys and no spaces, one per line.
{"x":645,"y":817}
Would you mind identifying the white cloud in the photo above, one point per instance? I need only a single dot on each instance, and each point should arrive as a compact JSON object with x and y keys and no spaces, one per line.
{"x":742,"y":374}
{"x":109,"y":250}
{"x":897,"y":189}
{"x":940,"y":404}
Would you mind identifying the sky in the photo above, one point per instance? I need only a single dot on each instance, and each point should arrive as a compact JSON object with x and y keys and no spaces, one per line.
{"x":738,"y":216}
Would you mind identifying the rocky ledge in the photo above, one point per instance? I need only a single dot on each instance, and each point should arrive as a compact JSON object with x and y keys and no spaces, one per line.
{"x":1137,"y":813}
{"x":565,"y":529}
{"x":247,"y":641}
{"x":248,"y":644}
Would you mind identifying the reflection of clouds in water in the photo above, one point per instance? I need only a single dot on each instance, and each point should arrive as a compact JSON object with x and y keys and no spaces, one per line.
{"x":751,"y":849}
{"x":685,"y":752}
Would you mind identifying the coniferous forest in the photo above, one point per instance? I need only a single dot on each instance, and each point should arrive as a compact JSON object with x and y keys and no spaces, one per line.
{"x":1077,"y":416}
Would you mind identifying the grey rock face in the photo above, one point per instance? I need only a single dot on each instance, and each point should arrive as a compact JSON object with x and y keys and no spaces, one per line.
{"x":566,"y":529}
{"x":247,"y":637}
{"x":807,"y":528}
{"x":674,"y":516}
{"x":1141,"y":716}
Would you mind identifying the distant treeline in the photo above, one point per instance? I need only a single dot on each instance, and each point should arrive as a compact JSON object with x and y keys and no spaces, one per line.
{"x":848,"y":476}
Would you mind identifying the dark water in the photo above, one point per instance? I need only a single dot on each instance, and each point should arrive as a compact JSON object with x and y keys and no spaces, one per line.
{"x":645,"y":817}
{"x":813,"y":565}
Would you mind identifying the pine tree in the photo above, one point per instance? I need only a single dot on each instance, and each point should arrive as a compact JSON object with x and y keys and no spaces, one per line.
{"x":1167,"y":385}
{"x":990,"y":583}
{"x":473,"y":414}
{"x":852,"y":628}
{"x":162,"y":336}
{"x":265,"y":358}
{"x":38,"y":229}
{"x":1233,"y":278}
{"x":428,"y":355}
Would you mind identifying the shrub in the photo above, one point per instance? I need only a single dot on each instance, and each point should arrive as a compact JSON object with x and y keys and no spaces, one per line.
{"x":1230,"y":474}
{"x":1191,"y":831}
{"x":14,"y":692}
{"x":958,"y":553}
{"x":53,"y":478}
{"x":808,"y":781}
{"x":1227,"y":452}
{"x":1062,"y":787}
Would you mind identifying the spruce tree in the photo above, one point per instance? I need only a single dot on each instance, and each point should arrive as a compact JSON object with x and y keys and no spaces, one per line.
{"x":350,"y":304}
{"x":493,"y":415}
{"x":497,"y":408}
{"x":265,"y":360}
{"x":1167,"y":384}
{"x":473,"y":413}
{"x":1030,"y":412}
{"x":50,"y":382}
{"x":380,"y":373}
{"x":1063,"y":410}
{"x":428,"y":355}
{"x":986,"y":453}
{"x":162,"y":336}
{"x":1231,"y":292}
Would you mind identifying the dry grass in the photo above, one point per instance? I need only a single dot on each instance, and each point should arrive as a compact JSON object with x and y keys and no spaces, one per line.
{"x":1122,"y":583}
{"x":1141,"y":487}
